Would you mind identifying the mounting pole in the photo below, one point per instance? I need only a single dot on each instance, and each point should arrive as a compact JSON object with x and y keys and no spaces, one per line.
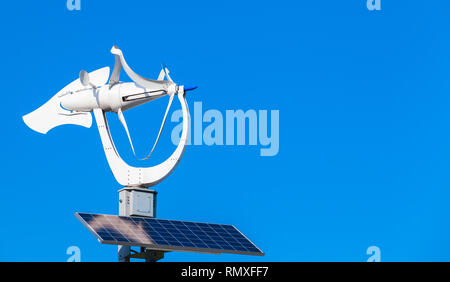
{"x":136,"y":201}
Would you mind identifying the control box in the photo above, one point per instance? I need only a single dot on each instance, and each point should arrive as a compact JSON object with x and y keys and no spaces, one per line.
{"x":137,"y":202}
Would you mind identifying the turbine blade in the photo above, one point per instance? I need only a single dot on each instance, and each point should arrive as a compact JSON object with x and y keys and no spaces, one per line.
{"x":116,"y":72}
{"x":166,"y":70}
{"x":162,"y":126}
{"x":142,"y":81}
{"x":124,"y":123}
{"x":161,"y":75}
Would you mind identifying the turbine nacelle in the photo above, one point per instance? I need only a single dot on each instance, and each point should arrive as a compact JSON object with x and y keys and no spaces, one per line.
{"x":123,"y":95}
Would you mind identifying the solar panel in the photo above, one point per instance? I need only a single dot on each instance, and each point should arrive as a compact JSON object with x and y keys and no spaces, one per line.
{"x":168,"y":235}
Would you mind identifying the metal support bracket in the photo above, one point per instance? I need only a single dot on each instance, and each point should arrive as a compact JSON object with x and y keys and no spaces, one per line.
{"x":148,"y":255}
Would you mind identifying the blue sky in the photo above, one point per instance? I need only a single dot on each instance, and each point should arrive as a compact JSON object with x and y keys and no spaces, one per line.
{"x":364,"y":155}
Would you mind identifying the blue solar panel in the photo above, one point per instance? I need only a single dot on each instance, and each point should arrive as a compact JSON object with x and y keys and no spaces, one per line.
{"x":168,"y":235}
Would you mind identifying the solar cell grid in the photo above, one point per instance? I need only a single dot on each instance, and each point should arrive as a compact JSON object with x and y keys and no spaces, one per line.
{"x":168,"y":234}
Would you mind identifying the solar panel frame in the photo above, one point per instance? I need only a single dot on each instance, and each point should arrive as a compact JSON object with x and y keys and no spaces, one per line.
{"x":154,"y":231}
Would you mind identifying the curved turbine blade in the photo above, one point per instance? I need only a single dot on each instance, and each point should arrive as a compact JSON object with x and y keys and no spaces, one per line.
{"x":162,"y":126}
{"x":124,"y":123}
{"x":166,"y":71}
{"x":115,"y":76}
{"x":142,"y":81}
{"x":161,"y":75}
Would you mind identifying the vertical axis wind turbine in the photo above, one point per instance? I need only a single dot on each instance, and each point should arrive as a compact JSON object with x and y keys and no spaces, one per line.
{"x":136,"y":224}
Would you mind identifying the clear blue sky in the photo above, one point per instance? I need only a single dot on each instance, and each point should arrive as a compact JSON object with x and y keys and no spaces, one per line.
{"x":364,"y":101}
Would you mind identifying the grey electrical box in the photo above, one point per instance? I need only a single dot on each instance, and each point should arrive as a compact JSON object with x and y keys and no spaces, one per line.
{"x":137,"y":202}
